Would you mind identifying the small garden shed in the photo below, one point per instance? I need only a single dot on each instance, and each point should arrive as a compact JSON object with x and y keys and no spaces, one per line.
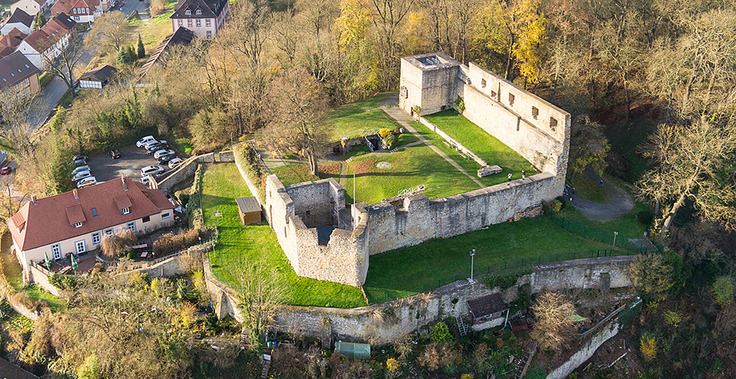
{"x":487,"y":308}
{"x":249,"y":210}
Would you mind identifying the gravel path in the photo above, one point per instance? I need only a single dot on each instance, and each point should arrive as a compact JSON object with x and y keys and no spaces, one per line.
{"x":619,"y":202}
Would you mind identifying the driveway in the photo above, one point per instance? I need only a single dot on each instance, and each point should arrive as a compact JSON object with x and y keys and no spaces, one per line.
{"x":131,"y":160}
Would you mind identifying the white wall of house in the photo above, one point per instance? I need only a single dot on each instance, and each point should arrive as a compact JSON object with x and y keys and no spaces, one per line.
{"x":29,"y":6}
{"x":32,"y":55}
{"x":89,"y":241}
{"x":205,"y":28}
{"x":5,"y":29}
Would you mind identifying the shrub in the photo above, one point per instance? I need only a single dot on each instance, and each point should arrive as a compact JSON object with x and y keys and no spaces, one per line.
{"x":169,"y":242}
{"x":63,"y":282}
{"x":672,"y":318}
{"x":391,"y":141}
{"x":723,"y":289}
{"x":628,"y":316}
{"x":440,"y":333}
{"x":645,"y":217}
{"x":417,"y":110}
{"x":505,"y":281}
{"x":648,"y":346}
{"x":384,"y":132}
{"x":460,"y":104}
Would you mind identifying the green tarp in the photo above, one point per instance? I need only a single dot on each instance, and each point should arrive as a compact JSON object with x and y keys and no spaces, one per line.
{"x":353,"y":350}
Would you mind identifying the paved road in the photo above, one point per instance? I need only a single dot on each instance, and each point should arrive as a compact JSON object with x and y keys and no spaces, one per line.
{"x":132,"y":159}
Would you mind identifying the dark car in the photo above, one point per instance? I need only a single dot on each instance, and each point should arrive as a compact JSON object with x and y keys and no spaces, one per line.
{"x":5,"y":170}
{"x":154,"y":148}
{"x":80,"y":156}
{"x":114,"y":153}
{"x":165,"y":158}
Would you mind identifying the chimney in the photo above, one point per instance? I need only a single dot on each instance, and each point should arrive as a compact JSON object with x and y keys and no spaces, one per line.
{"x":125,"y":185}
{"x":33,"y":199}
{"x":76,"y":194}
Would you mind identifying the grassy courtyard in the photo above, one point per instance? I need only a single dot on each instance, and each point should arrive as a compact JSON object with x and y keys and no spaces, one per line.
{"x":436,"y":262}
{"x":486,"y":146}
{"x":239,"y":244}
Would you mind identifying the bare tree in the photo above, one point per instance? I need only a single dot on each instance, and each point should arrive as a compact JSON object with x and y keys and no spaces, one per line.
{"x":299,"y":110}
{"x":692,"y":162}
{"x":554,"y":316}
{"x":17,"y":107}
{"x":262,"y":291}
{"x":109,"y":32}
{"x":67,"y":62}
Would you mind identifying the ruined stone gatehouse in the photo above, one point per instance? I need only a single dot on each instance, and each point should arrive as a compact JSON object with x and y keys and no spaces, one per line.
{"x":324,"y":241}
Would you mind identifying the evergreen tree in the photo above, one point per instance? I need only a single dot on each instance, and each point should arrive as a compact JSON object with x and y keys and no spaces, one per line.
{"x":141,"y":48}
{"x":131,"y":53}
{"x":123,"y":57}
{"x":40,"y":21}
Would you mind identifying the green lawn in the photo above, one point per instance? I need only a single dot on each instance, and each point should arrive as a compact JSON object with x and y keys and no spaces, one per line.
{"x":441,"y":261}
{"x":359,"y":124}
{"x":222,"y":183}
{"x":294,"y":173}
{"x":359,"y":106}
{"x":413,"y":166}
{"x":627,"y":224}
{"x":486,"y":146}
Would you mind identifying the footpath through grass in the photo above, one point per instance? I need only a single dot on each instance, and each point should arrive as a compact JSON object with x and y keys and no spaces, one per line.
{"x":240,"y":244}
{"x":420,"y":268}
{"x":486,"y":146}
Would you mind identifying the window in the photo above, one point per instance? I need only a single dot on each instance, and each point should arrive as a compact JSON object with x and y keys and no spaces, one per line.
{"x":483,"y":83}
{"x":131,"y":226}
{"x":180,"y":23}
{"x":77,"y":225}
{"x":108,"y":232}
{"x":165,"y":216}
{"x":198,"y":12}
{"x":188,"y":12}
{"x":94,"y":212}
{"x":209,"y":34}
{"x":147,"y":219}
{"x":552,"y":123}
{"x":96,"y":237}
{"x":80,"y":246}
{"x":535,"y":112}
{"x":125,"y":211}
{"x":189,"y":23}
{"x":199,"y":23}
{"x":511,"y":99}
{"x":208,"y":22}
{"x":493,"y":94}
{"x":56,"y":251}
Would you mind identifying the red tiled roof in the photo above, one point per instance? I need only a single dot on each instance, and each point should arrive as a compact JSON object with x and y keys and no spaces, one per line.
{"x":38,"y":40}
{"x":61,"y":6}
{"x":75,"y":214}
{"x":50,"y":219}
{"x":13,"y":38}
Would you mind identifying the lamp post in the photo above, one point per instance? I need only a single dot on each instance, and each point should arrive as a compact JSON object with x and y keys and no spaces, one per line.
{"x":472,"y":263}
{"x":614,"y":238}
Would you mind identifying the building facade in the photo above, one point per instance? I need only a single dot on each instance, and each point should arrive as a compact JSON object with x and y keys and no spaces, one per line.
{"x":204,"y":18}
{"x":18,"y":20}
{"x":76,"y":222}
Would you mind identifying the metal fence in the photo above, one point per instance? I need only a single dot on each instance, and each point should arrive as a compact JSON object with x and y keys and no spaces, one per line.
{"x":614,"y":239}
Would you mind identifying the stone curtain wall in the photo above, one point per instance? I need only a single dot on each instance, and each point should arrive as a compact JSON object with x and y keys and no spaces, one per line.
{"x":383,"y":323}
{"x":344,"y":259}
{"x":188,"y":167}
{"x":581,"y":273}
{"x":585,"y":352}
{"x":421,"y":219}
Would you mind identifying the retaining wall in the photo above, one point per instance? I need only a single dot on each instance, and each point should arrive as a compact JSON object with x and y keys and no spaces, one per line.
{"x":585,"y":352}
{"x":188,"y":167}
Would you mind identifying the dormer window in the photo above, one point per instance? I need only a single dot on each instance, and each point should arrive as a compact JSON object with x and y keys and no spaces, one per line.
{"x":125,"y":210}
{"x":188,"y":12}
{"x":198,"y":12}
{"x":77,"y":225}
{"x":94,"y":212}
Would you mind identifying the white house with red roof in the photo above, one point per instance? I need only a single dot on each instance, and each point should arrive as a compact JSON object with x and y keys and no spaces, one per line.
{"x":203,"y":17}
{"x":32,"y":7}
{"x":76,"y":221}
{"x":81,"y":11}
{"x":47,"y":42}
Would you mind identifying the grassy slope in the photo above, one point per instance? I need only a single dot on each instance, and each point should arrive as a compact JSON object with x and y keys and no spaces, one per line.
{"x":359,"y":124}
{"x":487,"y":147}
{"x":420,"y":267}
{"x":222,"y":183}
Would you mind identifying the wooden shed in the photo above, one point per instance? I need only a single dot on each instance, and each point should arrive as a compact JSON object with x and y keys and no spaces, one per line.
{"x":249,"y":210}
{"x":487,"y":308}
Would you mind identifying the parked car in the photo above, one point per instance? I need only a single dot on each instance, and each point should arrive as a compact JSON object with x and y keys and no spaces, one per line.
{"x":152,"y":170}
{"x":154,"y":147}
{"x":114,"y":153}
{"x":86,"y":182}
{"x":5,"y":170}
{"x":144,"y":141}
{"x":80,"y":162}
{"x":81,"y":175}
{"x":163,"y":152}
{"x":175,"y":162}
{"x":80,"y":156}
{"x":144,"y":180}
{"x":80,"y":169}
{"x":165,"y":158}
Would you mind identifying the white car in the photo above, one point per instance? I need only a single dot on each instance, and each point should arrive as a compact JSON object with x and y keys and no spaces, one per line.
{"x":151,"y":170}
{"x":141,"y":142}
{"x":81,"y":175}
{"x":161,"y":152}
{"x":175,"y":162}
{"x":86,"y":182}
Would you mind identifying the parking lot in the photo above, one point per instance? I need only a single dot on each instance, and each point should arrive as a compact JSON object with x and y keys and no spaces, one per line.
{"x":131,"y":160}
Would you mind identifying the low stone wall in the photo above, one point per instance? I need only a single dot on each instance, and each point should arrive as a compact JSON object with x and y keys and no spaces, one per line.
{"x":40,"y":276}
{"x":383,"y":323}
{"x":173,"y":265}
{"x":188,"y":167}
{"x":447,"y":137}
{"x":581,"y":273}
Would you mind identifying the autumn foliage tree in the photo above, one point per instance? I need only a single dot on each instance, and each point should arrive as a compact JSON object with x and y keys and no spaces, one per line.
{"x":554,"y":318}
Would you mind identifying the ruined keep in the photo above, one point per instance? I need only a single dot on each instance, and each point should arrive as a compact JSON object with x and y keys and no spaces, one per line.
{"x":324,"y":241}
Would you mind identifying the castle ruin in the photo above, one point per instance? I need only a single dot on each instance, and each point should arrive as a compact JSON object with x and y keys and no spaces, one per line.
{"x":323,"y":241}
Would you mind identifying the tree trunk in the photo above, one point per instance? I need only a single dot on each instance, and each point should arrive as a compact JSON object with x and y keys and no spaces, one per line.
{"x":671,"y":216}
